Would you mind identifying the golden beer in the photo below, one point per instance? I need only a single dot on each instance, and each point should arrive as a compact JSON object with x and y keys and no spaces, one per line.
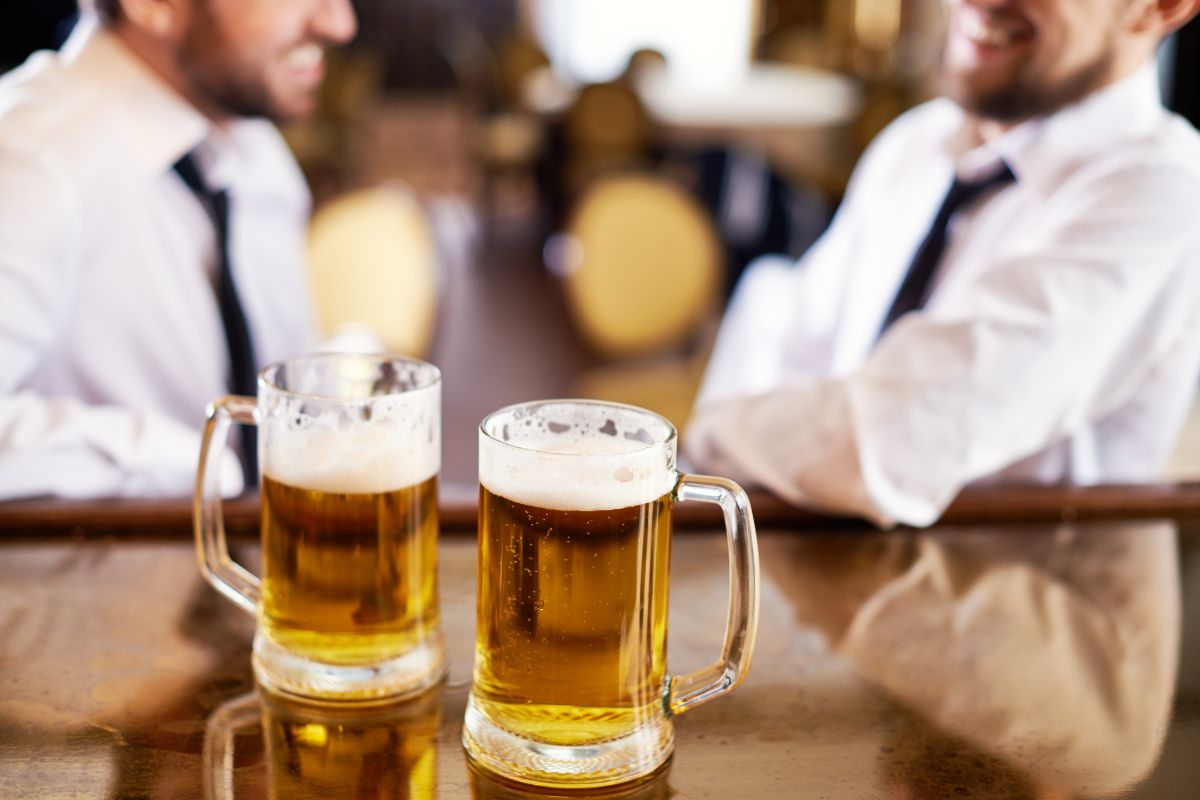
{"x":349,"y":578}
{"x":570,"y":685}
{"x":387,"y":752}
{"x":572,"y":618}
{"x":350,"y":449}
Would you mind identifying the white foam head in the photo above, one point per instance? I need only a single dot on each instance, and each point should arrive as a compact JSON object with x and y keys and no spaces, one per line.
{"x":354,"y":435}
{"x":577,"y":455}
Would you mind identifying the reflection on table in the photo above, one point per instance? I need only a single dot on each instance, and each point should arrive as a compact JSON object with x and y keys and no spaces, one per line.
{"x":321,"y":752}
{"x":1044,"y":661}
{"x":984,"y":661}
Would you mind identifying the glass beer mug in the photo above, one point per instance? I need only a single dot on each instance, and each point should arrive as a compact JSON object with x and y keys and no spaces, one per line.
{"x":350,"y":449}
{"x":570,"y":683}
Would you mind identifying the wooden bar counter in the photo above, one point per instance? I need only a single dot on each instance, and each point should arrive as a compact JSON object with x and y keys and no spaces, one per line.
{"x":981,"y":660}
{"x":1001,"y":504}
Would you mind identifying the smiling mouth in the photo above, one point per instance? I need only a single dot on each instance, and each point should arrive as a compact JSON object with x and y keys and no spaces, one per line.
{"x":990,"y":30}
{"x":305,"y":57}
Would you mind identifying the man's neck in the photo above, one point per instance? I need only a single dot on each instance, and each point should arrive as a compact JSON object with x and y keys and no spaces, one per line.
{"x":161,"y":60}
{"x":989,"y":130}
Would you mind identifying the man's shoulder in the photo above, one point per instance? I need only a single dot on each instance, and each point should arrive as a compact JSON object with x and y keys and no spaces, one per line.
{"x":37,"y":96}
{"x":1120,"y":132}
{"x":47,"y":112}
{"x":1176,"y":143}
{"x":1160,"y":164}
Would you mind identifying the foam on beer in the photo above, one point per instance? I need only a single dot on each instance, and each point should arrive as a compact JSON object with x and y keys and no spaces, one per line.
{"x":583,"y":458}
{"x":399,"y":446}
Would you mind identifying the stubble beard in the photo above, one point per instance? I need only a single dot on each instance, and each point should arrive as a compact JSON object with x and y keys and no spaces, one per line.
{"x":1026,"y":96}
{"x":222,"y":83}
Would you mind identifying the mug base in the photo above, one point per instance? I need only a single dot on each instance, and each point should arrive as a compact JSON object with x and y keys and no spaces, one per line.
{"x":517,"y":758}
{"x":284,"y":672}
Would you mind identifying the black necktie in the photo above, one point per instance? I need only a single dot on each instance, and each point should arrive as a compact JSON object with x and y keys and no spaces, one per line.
{"x":242,"y":377}
{"x":914,"y":291}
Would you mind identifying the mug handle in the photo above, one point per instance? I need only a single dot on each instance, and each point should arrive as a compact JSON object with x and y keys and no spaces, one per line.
{"x":208,"y":521}
{"x":741,"y":626}
{"x":219,"y":732}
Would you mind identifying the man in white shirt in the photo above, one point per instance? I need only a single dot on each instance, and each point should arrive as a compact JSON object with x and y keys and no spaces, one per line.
{"x":111,"y":336}
{"x":1058,"y":339}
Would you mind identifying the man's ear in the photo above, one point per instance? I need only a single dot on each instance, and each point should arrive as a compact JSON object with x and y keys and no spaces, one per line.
{"x":1162,"y":17}
{"x":158,"y":18}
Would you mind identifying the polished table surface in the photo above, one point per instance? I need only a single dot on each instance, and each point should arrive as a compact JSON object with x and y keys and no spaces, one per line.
{"x":1032,"y":660}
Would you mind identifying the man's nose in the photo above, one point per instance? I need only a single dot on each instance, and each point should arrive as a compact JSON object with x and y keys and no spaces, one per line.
{"x":334,"y":21}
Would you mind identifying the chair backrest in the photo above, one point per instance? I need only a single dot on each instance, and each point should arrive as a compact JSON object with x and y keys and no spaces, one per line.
{"x":604,"y":130}
{"x":373,"y":260}
{"x":646,"y":266}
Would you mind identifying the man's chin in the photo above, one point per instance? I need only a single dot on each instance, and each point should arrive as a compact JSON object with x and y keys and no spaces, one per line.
{"x":1002,"y":103}
{"x":1015,"y":96}
{"x":296,"y":108}
{"x":257,"y":101}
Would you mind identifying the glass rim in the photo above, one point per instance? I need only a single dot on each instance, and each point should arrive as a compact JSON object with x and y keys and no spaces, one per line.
{"x":263,"y":379}
{"x":670,"y":439}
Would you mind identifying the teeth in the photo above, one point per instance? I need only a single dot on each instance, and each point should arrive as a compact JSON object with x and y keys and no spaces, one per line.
{"x":978,"y":28}
{"x":305,"y":56}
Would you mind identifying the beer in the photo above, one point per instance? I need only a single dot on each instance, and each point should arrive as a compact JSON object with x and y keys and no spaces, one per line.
{"x":570,"y":685}
{"x":572,"y":618}
{"x":385,"y":752}
{"x":350,"y":449}
{"x":572,"y":590}
{"x":349,"y":577}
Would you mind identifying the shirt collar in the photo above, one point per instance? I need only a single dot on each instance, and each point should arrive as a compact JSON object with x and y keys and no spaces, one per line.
{"x":1041,"y":150}
{"x":159,"y":125}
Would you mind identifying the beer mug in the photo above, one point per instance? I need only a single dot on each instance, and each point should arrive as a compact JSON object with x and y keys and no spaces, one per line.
{"x":350,"y":448}
{"x":323,"y":752}
{"x":570,"y":684}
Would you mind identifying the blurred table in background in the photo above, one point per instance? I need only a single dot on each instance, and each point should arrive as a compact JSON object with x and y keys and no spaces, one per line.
{"x":798,"y":117}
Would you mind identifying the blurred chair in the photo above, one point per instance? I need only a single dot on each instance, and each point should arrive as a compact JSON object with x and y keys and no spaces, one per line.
{"x":517,"y":57}
{"x":605,"y":129}
{"x":642,"y":265}
{"x":373,"y":261}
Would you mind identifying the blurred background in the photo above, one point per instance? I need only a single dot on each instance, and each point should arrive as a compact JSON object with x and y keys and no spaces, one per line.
{"x":559,"y":195}
{"x":426,"y":80}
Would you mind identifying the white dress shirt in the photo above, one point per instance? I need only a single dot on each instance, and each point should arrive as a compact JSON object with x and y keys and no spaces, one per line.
{"x":1060,"y":344}
{"x":111,"y":341}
